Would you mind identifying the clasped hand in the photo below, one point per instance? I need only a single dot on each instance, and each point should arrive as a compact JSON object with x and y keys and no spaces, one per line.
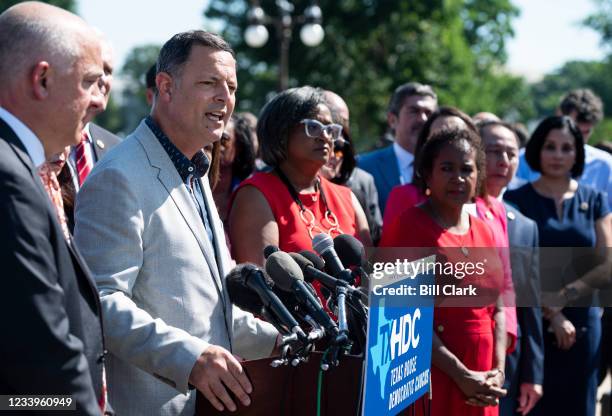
{"x":482,"y":388}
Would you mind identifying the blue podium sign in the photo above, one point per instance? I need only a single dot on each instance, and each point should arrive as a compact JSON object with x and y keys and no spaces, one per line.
{"x":399,"y":338}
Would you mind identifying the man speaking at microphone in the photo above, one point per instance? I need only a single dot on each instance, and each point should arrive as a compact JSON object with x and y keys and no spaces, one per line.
{"x":148,"y":227}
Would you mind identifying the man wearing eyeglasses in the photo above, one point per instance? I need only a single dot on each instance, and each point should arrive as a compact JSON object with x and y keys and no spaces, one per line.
{"x":409,"y":108}
{"x":95,"y":140}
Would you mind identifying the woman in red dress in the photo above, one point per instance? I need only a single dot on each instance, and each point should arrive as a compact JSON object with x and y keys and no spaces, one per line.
{"x":291,"y":203}
{"x":469,"y":342}
{"x":485,"y":207}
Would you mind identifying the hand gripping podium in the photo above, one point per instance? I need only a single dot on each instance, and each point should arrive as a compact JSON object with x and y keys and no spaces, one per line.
{"x":288,"y":390}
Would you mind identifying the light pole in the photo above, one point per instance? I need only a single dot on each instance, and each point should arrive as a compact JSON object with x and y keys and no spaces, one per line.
{"x":311,"y":34}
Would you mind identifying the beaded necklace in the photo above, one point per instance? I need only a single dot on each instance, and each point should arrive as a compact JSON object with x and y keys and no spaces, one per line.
{"x":306,"y":215}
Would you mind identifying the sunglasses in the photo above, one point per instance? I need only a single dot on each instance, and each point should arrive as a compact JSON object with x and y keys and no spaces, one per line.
{"x":315,"y":129}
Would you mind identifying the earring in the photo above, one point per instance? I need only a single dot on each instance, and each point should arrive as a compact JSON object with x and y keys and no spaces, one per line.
{"x":427,"y":191}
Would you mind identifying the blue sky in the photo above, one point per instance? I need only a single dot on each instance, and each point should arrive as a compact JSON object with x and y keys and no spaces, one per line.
{"x":547,"y":33}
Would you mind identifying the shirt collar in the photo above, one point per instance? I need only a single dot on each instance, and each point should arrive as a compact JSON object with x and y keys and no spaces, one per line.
{"x":197,"y":166}
{"x":30,"y":141}
{"x":88,"y":133}
{"x":404,"y":157}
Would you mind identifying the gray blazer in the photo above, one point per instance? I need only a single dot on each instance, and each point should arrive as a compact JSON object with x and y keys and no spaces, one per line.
{"x":160,"y":279}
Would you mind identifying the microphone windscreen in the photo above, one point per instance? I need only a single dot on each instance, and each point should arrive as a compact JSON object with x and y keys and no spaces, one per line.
{"x":302,"y":261}
{"x":321,"y":243}
{"x":283,"y":270}
{"x":241,"y":295}
{"x":269,"y":250}
{"x":317,"y":262}
{"x":350,"y":250}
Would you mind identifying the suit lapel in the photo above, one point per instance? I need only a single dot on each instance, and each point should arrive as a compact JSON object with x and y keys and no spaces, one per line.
{"x":19,"y":149}
{"x":9,"y":135}
{"x":171,"y":181}
{"x":98,"y":151}
{"x":82,"y":269}
{"x":221,"y":253}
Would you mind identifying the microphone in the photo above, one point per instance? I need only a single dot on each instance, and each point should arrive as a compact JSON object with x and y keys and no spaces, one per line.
{"x":249,"y":301}
{"x":242,"y":296}
{"x":250,"y":277}
{"x":269,"y":250}
{"x":313,"y":273}
{"x":288,"y":276}
{"x":317,"y":262}
{"x":350,"y":250}
{"x":324,"y":246}
{"x":352,"y":254}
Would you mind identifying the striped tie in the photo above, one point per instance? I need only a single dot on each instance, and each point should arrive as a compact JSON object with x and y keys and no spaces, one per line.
{"x":84,"y":164}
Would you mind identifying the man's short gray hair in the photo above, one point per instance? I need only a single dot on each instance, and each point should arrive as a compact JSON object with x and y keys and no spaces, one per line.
{"x":25,"y":39}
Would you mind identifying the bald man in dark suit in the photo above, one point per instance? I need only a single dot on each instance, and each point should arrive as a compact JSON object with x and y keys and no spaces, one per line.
{"x":50,"y":321}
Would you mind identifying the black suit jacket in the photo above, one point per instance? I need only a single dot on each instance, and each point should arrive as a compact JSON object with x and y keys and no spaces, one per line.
{"x":50,"y":320}
{"x":526,"y":363}
{"x":362,"y":185}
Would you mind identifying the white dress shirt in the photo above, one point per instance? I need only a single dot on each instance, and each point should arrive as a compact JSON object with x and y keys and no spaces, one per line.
{"x":30,"y":141}
{"x":405,"y":162}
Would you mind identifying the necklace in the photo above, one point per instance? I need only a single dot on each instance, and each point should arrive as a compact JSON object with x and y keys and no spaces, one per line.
{"x":306,"y":215}
{"x":438,"y":219}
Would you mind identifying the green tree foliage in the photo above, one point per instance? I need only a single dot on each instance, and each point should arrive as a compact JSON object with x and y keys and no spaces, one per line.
{"x":125,"y":111}
{"x":112,"y":119}
{"x":583,"y":74}
{"x":601,"y":21}
{"x":372,"y":46}
{"x":64,"y":4}
{"x":133,"y":73}
{"x":133,"y":102}
{"x":577,"y":74}
{"x":573,"y":74}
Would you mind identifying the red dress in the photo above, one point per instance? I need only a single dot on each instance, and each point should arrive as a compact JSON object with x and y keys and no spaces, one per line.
{"x":466,"y":331}
{"x":292,"y":230}
{"x":493,"y":213}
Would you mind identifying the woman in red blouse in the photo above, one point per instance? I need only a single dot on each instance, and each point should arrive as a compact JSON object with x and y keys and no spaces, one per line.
{"x":291,"y":203}
{"x":469,"y":342}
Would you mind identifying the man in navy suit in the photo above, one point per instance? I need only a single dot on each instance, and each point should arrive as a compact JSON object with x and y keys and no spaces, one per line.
{"x":409,"y":108}
{"x":525,"y":366}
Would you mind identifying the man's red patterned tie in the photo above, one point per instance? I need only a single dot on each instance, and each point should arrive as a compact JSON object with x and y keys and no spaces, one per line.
{"x":84,"y":164}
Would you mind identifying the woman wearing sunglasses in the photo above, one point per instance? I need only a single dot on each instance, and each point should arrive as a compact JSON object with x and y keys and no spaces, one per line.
{"x":289,"y":204}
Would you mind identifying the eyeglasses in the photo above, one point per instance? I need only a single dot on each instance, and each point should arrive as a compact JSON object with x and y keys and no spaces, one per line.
{"x":314,"y":129}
